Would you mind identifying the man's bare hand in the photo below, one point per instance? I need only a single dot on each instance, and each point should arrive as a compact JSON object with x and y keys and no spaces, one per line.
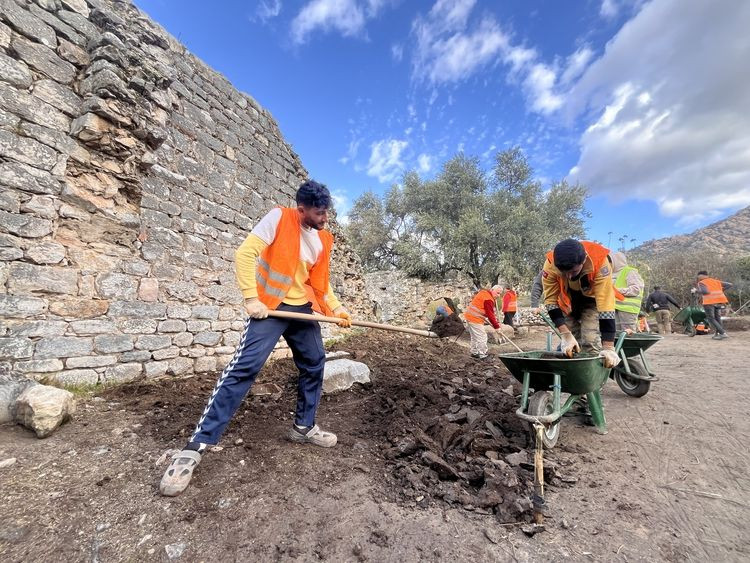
{"x":255,"y":308}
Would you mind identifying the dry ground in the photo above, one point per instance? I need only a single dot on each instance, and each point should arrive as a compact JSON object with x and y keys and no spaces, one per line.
{"x":669,"y":482}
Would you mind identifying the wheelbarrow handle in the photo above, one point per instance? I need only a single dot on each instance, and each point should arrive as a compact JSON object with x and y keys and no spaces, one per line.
{"x":548,"y":320}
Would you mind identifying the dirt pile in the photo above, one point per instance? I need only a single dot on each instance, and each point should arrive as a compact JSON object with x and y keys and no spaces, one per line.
{"x":440,"y":423}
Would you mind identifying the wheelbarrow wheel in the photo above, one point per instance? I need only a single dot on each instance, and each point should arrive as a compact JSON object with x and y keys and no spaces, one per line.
{"x":540,"y":404}
{"x":631,"y":385}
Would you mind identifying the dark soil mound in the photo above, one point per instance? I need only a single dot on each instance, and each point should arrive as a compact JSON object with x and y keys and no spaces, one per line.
{"x":434,"y":426}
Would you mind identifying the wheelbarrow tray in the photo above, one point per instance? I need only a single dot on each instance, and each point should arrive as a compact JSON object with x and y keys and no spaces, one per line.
{"x":635,"y":343}
{"x":578,"y":376}
{"x":693,"y":313}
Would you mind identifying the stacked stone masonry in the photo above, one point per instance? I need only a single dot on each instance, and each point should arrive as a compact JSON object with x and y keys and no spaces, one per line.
{"x":129,"y":174}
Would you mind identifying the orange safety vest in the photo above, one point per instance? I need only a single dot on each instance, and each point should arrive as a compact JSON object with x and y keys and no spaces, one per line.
{"x":475,"y":311}
{"x":598,"y":255}
{"x":277,"y":265}
{"x":715,"y":292}
{"x":512,"y":304}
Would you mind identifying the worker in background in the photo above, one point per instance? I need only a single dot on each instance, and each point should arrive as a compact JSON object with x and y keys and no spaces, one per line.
{"x":658,"y":301}
{"x":580,"y":297}
{"x":714,"y":300}
{"x":510,"y":305}
{"x":282,"y":265}
{"x":481,"y":310}
{"x":628,"y":292}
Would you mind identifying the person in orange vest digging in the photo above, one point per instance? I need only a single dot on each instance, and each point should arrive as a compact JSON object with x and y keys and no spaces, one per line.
{"x":481,"y":310}
{"x":712,"y":291}
{"x":580,"y":298}
{"x":510,"y":305}
{"x":282,"y":265}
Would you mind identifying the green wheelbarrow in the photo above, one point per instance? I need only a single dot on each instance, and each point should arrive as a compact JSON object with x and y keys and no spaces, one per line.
{"x":633,"y":374}
{"x":542,"y":370}
{"x":689,"y":317}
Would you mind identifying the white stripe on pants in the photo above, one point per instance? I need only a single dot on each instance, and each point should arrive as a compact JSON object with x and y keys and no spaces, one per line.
{"x":478,"y":338}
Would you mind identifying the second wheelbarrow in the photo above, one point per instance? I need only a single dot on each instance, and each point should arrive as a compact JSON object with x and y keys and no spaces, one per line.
{"x":550,"y":375}
{"x":690,"y":316}
{"x":633,"y":374}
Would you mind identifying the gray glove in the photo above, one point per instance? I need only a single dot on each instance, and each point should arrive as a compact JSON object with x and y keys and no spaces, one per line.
{"x":569,"y":344}
{"x":609,"y":357}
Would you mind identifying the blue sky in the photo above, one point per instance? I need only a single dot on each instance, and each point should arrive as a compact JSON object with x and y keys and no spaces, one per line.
{"x":646,"y":103}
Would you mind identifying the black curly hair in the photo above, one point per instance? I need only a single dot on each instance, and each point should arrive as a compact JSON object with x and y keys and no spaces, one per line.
{"x":313,"y":194}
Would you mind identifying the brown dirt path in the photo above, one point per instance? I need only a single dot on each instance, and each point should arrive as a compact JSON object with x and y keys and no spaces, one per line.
{"x":668,"y":483}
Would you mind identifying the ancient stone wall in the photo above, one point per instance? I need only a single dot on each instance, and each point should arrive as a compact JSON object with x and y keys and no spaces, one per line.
{"x":129,"y":174}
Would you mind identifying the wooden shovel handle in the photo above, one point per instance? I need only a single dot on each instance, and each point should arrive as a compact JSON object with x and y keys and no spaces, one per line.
{"x":324,"y":319}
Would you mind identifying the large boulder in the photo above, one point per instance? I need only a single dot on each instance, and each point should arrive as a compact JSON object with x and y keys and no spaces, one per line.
{"x":341,"y":374}
{"x":42,"y":408}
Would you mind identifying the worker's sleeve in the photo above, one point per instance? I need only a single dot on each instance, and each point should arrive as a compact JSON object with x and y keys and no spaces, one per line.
{"x":489,"y":310}
{"x":245,"y":259}
{"x":331,"y":300}
{"x":604,"y":293}
{"x":672,"y":301}
{"x":551,"y":289}
{"x":536,"y":290}
{"x":702,"y":289}
{"x":725,"y":285}
{"x":635,"y":284}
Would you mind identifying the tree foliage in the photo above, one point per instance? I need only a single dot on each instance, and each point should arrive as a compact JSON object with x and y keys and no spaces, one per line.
{"x":491,"y":226}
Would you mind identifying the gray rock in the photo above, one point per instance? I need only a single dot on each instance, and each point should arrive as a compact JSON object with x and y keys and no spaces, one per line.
{"x":28,"y":151}
{"x":172,"y":325}
{"x":24,"y":225}
{"x":153,"y":342}
{"x":205,"y":364}
{"x":135,"y":356}
{"x":15,"y":348}
{"x":166,"y":353}
{"x":63,"y":347}
{"x":182,"y":339}
{"x":205,"y":312}
{"x":155,"y":369}
{"x":90,"y":362}
{"x":11,"y":386}
{"x":21,"y":307}
{"x":175,"y":550}
{"x":207,"y":338}
{"x":123,"y":372}
{"x":111,"y":344}
{"x":137,"y":309}
{"x":26,"y":178}
{"x":14,"y":72}
{"x":26,"y":278}
{"x":37,"y":328}
{"x":47,"y":252}
{"x":74,"y":377}
{"x":113,"y":285}
{"x":92,"y":327}
{"x":341,"y":374}
{"x":198,"y":326}
{"x":42,"y":408}
{"x":39,"y":366}
{"x":178,"y":366}
{"x":25,"y":23}
{"x":43,"y":59}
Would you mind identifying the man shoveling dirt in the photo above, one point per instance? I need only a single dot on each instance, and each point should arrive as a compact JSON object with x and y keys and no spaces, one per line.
{"x":283,"y":264}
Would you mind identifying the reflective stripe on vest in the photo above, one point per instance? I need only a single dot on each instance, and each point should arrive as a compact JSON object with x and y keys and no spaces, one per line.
{"x":475,"y":311}
{"x":622,"y":302}
{"x":715,"y":293}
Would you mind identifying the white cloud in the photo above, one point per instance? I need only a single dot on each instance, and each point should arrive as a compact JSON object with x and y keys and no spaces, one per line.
{"x":385,"y":159}
{"x":670,"y":118}
{"x":347,"y":17}
{"x":351,"y":151}
{"x":609,"y":9}
{"x":424,"y":163}
{"x":397,"y":52}
{"x":267,"y":9}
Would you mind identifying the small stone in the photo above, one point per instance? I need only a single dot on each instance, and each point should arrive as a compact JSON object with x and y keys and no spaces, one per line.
{"x":7,"y":462}
{"x":239,"y":442}
{"x":175,"y":550}
{"x":532,"y":529}
{"x":103,"y":526}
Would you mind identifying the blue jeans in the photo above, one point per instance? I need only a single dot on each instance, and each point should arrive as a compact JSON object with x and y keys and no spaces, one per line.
{"x":256,"y":344}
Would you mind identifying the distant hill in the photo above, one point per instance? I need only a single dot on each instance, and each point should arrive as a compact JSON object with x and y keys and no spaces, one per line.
{"x":728,"y":237}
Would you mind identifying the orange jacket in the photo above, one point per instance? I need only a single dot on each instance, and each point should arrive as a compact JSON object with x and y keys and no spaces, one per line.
{"x":715,"y":292}
{"x":598,"y":255}
{"x":510,"y":302}
{"x":278,"y":263}
{"x":475,"y":311}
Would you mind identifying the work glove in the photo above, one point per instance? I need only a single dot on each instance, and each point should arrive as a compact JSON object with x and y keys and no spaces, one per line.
{"x":569,"y":344}
{"x":346,"y":318}
{"x":609,"y":357}
{"x":693,"y":290}
{"x":255,"y":308}
{"x":655,"y":306}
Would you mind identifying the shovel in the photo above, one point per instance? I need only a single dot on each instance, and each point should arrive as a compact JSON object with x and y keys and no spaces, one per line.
{"x":324,"y":319}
